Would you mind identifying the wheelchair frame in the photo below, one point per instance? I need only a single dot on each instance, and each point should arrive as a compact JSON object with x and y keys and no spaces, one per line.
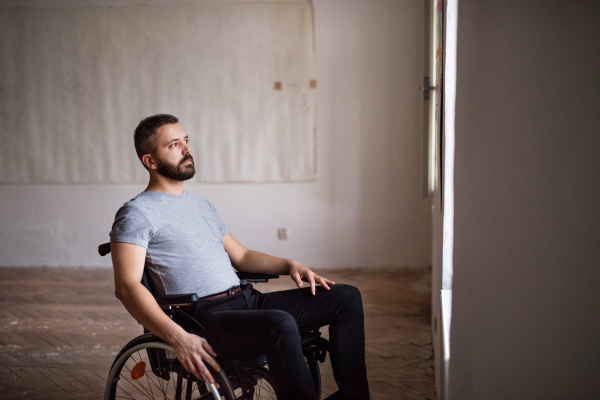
{"x":242,"y":375}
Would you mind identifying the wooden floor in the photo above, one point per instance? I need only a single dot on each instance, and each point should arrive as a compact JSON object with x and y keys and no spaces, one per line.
{"x":60,"y":330}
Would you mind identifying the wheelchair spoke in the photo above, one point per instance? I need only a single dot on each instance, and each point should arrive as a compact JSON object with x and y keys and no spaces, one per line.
{"x":121,"y":397}
{"x":256,"y":384}
{"x":129,"y":394}
{"x":160,"y":388}
{"x":149,"y":379}
{"x":149,"y":385}
{"x":169,"y":381}
{"x":263,"y":391}
{"x":135,"y":386}
{"x":151,"y":382}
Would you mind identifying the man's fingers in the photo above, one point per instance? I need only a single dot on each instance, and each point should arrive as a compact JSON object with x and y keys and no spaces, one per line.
{"x":323,"y":282}
{"x":326,"y":282}
{"x":311,"y":279}
{"x":208,"y":348}
{"x":297,"y":279}
{"x":207,"y":374}
{"x":202,"y":368}
{"x":191,"y":368}
{"x":212,"y":362}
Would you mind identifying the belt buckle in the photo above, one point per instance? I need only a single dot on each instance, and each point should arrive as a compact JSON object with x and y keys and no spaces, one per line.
{"x":231,"y":290}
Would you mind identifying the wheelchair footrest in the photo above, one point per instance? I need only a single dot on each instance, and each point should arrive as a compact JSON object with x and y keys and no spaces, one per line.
{"x":309,"y":337}
{"x":315,"y":348}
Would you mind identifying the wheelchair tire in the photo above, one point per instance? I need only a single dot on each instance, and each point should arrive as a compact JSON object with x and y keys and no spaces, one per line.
{"x":315,"y":372}
{"x":146,"y":368}
{"x":257,"y":384}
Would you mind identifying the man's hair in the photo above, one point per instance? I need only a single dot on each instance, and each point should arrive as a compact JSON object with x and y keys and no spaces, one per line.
{"x":144,"y":137}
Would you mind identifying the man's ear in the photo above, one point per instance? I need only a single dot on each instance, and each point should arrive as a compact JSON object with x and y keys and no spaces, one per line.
{"x":148,"y":161}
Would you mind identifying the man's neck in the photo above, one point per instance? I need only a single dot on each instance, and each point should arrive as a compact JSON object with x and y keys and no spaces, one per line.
{"x":159,"y":183}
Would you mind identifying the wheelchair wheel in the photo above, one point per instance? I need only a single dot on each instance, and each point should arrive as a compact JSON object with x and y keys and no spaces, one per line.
{"x":315,"y":372}
{"x":256,"y":384}
{"x":147,"y":368}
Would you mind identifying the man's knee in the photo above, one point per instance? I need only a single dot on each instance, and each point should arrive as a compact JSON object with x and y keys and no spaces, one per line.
{"x":349,"y":293}
{"x":282,"y":327}
{"x":351,"y":305}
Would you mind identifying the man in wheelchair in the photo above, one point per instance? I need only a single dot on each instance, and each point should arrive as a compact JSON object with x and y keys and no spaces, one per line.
{"x":184,"y":246}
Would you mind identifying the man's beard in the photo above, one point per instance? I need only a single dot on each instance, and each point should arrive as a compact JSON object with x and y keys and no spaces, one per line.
{"x":179,"y":172}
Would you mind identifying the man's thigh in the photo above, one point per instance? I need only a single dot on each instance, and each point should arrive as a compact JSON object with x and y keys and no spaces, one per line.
{"x":310,"y":311}
{"x":246,"y":333}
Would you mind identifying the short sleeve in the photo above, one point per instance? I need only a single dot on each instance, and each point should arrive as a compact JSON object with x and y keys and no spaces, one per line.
{"x":131,"y":226}
{"x":216,"y":218}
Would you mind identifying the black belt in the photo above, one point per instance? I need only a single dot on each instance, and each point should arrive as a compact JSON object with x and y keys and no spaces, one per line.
{"x":229,"y":292}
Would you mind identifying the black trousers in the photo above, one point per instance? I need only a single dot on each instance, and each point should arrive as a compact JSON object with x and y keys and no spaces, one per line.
{"x":250,"y":324}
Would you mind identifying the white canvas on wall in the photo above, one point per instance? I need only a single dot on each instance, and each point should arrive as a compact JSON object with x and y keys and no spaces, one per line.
{"x":75,"y":82}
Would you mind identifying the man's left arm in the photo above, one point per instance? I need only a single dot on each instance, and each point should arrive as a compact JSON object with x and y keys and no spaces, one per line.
{"x":245,"y":260}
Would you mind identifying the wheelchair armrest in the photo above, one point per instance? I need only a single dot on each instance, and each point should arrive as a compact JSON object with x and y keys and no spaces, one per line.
{"x":252,"y":277}
{"x":176,"y":299}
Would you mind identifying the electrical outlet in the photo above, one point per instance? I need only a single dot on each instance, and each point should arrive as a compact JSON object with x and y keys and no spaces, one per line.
{"x":282,"y":234}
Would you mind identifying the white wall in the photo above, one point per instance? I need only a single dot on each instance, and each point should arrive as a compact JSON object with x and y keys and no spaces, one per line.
{"x":365,"y":208}
{"x":437,"y":225}
{"x":526,"y":291}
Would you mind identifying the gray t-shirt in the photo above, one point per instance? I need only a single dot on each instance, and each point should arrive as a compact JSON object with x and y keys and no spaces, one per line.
{"x":182,"y":235}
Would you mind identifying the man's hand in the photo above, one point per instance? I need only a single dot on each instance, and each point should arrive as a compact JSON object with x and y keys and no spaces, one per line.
{"x":299,"y":271}
{"x":192,"y":351}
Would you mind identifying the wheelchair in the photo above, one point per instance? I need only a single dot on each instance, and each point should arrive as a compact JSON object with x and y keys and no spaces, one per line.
{"x":147,"y":368}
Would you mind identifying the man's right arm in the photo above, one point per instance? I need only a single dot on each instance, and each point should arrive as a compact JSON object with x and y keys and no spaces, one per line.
{"x":128,"y":263}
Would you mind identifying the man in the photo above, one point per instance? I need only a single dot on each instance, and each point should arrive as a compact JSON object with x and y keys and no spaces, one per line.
{"x":182,"y":242}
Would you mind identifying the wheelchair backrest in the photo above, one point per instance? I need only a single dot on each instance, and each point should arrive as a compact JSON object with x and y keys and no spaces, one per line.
{"x":147,"y":282}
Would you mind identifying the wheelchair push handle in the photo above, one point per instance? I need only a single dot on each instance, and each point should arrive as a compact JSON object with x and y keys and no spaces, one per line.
{"x":104,"y":249}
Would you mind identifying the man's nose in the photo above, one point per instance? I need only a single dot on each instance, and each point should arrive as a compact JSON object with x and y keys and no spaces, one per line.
{"x":186,"y":149}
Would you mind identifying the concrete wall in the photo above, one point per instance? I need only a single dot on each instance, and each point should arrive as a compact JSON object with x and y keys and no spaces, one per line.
{"x":365,"y":208}
{"x":526,"y":291}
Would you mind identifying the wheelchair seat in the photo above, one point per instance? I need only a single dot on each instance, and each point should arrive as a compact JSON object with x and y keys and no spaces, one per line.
{"x":130,"y":378}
